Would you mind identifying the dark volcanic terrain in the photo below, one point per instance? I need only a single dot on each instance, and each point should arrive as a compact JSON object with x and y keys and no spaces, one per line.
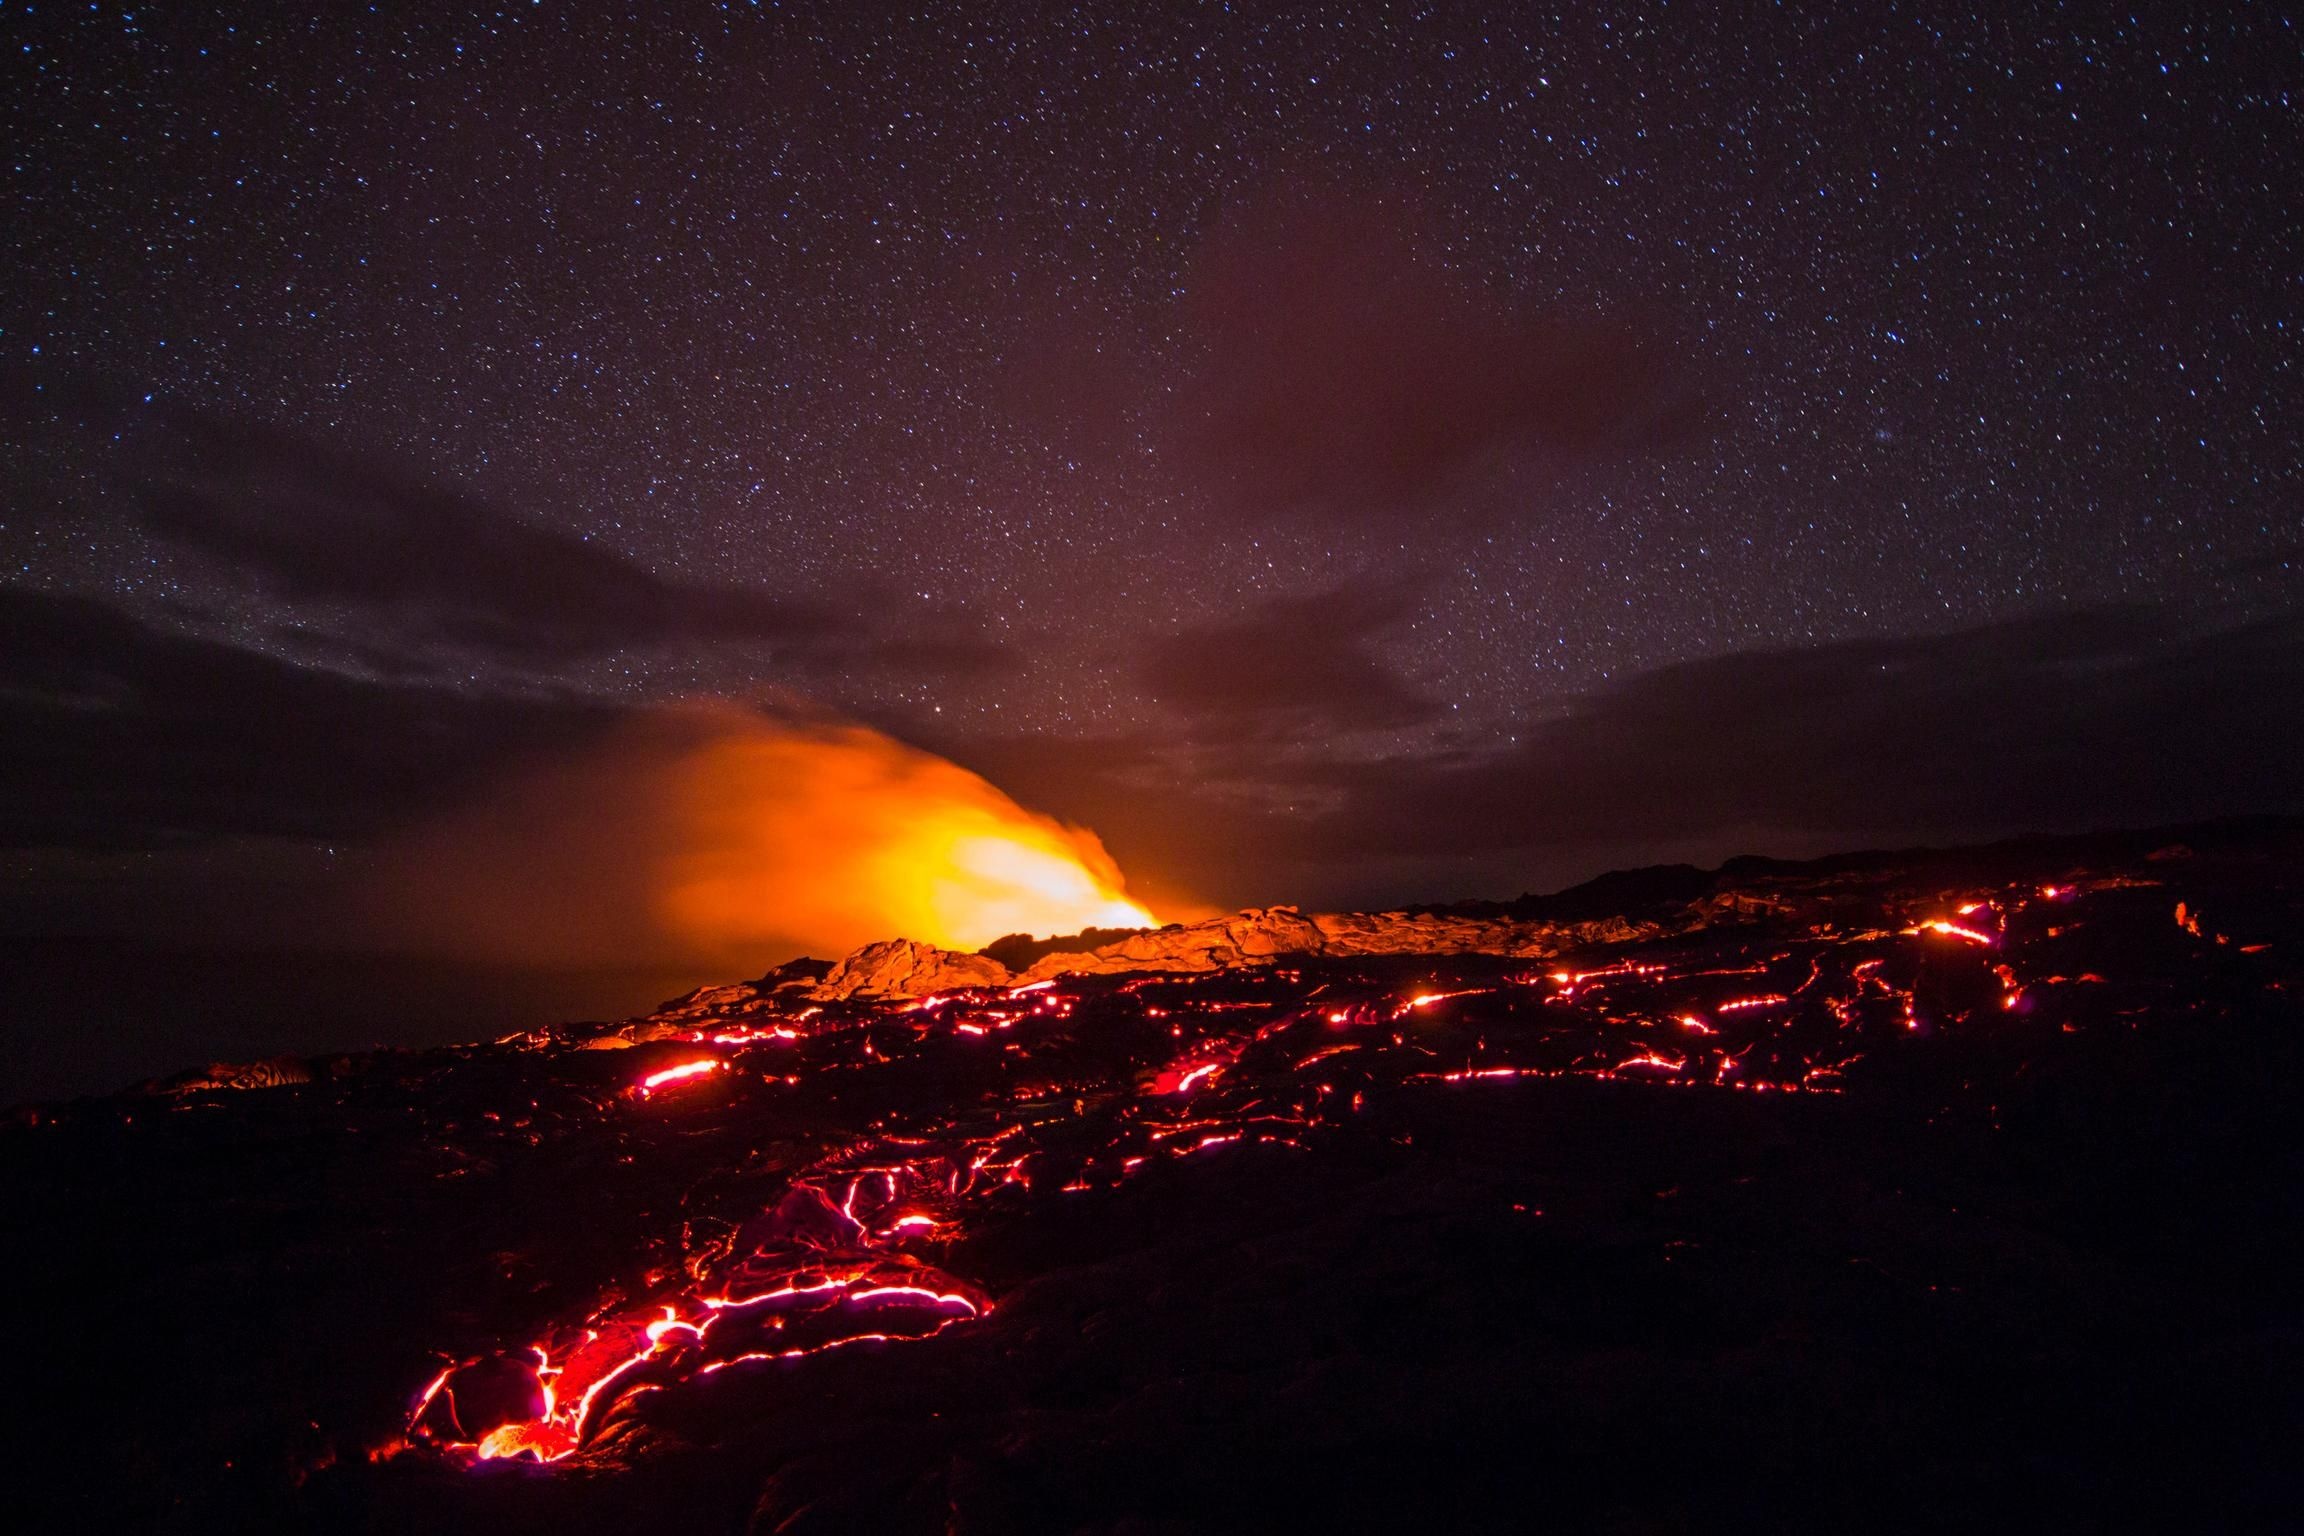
{"x":1906,"y":1191}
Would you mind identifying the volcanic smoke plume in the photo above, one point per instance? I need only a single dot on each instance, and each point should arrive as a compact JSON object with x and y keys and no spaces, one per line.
{"x":718,"y":836}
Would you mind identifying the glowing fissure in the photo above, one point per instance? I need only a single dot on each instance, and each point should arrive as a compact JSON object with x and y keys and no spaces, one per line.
{"x":1204,"y":1068}
{"x":839,"y":1285}
{"x":1953,"y":930}
{"x":685,"y":1072}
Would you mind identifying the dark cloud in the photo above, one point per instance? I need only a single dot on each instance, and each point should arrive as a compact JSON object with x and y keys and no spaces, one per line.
{"x":386,"y":570}
{"x":315,"y":524}
{"x":2091,"y":718}
{"x":123,"y":735}
{"x":1293,"y":665}
{"x":2282,"y":558}
{"x":943,"y":643}
{"x":1343,"y":365}
{"x":2094,"y":718}
{"x":358,"y":562}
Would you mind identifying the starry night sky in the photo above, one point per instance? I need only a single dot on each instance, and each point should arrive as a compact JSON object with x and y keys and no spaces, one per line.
{"x":1353,"y":454}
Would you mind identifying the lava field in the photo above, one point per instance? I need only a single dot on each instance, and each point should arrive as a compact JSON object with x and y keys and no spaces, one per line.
{"x":1918,"y":1191}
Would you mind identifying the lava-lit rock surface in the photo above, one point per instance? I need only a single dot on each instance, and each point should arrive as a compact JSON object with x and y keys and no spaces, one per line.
{"x":1919,"y":1192}
{"x":899,"y":969}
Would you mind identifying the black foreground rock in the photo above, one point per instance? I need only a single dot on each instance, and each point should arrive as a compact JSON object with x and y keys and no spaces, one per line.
{"x":1911,"y":1192}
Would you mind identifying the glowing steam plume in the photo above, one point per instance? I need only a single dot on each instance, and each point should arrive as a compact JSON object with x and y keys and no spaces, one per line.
{"x":709,"y":834}
{"x":845,"y":830}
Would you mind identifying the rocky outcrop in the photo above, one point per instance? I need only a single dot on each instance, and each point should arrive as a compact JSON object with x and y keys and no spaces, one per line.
{"x":234,"y":1076}
{"x":907,"y":968}
{"x":1262,"y":934}
{"x":1254,"y":937}
{"x":1257,"y":936}
{"x":1662,"y":902}
{"x":1402,"y":933}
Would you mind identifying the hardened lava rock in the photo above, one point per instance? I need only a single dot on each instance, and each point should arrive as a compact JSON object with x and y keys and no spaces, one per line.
{"x":1915,"y":1190}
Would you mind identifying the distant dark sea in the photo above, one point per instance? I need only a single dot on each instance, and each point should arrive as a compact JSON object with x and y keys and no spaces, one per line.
{"x":88,"y":1015}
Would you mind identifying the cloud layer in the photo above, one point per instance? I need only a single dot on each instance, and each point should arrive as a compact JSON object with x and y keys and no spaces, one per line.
{"x":314,"y":525}
{"x":1292,"y":665}
{"x":1342,"y":363}
{"x":125,"y":735}
{"x":2062,"y":721}
{"x":2066,"y":720}
{"x":404,"y":573}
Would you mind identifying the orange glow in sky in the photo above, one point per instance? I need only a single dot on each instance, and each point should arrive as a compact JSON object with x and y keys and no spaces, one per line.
{"x":707,"y":837}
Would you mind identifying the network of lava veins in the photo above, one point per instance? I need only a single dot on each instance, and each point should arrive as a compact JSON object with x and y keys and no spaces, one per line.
{"x":991,"y":1100}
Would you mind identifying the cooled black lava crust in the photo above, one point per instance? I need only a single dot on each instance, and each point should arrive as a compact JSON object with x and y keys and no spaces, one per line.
{"x":1956,"y":1191}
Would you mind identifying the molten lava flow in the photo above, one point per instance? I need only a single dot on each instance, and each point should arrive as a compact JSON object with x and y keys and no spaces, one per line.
{"x":1068,"y":1088}
{"x":680,"y":1074}
{"x":1952,"y":930}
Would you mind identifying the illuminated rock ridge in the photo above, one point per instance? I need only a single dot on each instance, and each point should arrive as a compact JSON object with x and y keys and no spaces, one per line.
{"x":1259,"y":936}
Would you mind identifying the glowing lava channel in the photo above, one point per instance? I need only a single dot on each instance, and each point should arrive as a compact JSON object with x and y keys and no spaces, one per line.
{"x":1240,"y":1062}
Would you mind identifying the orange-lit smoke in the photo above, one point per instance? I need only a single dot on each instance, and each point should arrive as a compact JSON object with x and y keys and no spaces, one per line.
{"x":708,"y":834}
